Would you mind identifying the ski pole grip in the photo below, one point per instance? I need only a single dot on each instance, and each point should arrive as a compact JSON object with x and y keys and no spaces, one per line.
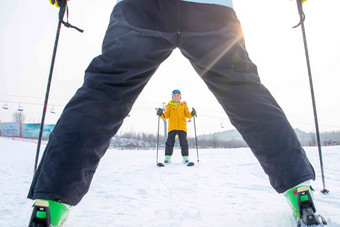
{"x":193,"y":110}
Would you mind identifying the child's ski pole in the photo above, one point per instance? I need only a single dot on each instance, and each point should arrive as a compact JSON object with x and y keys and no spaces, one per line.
{"x":198,"y":159}
{"x":157,"y":140}
{"x":158,"y":163}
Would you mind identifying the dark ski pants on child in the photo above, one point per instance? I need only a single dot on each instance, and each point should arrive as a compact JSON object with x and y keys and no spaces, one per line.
{"x":140,"y":36}
{"x":183,"y":142}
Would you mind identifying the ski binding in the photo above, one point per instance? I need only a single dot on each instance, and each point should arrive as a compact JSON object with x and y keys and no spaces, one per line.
{"x":40,"y":215}
{"x":307,"y":210}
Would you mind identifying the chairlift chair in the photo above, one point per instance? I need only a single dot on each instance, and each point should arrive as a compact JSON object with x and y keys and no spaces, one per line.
{"x":20,"y":108}
{"x":5,"y":106}
{"x":52,"y":111}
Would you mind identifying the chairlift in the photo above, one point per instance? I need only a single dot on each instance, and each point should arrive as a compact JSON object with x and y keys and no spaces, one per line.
{"x":5,"y":106}
{"x":20,"y":108}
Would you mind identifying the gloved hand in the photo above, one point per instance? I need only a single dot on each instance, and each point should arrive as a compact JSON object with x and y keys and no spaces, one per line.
{"x":57,"y":3}
{"x":193,"y":112}
{"x":303,"y":1}
{"x":159,"y":112}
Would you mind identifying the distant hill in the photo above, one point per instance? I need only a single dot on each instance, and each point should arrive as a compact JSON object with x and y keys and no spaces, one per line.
{"x":225,"y":135}
{"x":306,"y":138}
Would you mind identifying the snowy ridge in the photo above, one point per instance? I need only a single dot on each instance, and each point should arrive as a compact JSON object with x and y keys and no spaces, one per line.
{"x":227,"y":188}
{"x":126,"y":143}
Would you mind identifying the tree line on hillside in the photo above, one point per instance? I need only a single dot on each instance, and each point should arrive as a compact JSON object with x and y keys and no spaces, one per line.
{"x":132,"y":140}
{"x":226,"y":139}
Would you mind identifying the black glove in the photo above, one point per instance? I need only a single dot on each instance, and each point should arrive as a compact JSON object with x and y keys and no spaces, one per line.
{"x":193,"y":112}
{"x":57,"y":3}
{"x":159,"y":112}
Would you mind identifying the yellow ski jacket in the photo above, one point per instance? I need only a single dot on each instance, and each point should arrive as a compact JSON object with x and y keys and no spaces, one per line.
{"x":177,"y":115}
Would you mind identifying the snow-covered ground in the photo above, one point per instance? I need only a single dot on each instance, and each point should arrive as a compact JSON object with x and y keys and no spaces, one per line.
{"x":227,"y":188}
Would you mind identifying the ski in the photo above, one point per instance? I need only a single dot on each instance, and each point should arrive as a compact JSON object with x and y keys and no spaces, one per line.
{"x":159,"y":164}
{"x":190,"y":164}
{"x":307,"y":211}
{"x":308,"y":221}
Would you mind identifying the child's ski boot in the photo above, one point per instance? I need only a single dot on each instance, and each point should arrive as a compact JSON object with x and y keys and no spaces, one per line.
{"x":48,"y":213}
{"x":167,"y":159}
{"x":300,"y":198}
{"x":185,"y":159}
{"x":187,"y":162}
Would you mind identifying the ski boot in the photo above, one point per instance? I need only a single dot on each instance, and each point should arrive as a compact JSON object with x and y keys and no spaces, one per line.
{"x":300,"y":198}
{"x":187,"y":162}
{"x":48,"y":213}
{"x":185,"y":159}
{"x":167,"y":159}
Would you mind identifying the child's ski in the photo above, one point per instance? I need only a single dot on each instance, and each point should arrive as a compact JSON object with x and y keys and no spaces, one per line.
{"x":159,"y":164}
{"x":190,"y":164}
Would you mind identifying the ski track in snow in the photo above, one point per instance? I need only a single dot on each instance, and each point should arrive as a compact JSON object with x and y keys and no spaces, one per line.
{"x":227,"y":188}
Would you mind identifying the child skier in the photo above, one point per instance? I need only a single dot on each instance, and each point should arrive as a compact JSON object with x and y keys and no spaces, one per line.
{"x":140,"y":36}
{"x":177,"y":112}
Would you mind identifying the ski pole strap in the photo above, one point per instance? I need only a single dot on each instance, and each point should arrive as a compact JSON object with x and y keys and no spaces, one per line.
{"x":301,"y":13}
{"x":63,"y":9}
{"x":68,"y":25}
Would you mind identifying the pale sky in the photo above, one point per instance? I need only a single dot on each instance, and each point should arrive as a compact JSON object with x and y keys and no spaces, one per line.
{"x":27,"y":34}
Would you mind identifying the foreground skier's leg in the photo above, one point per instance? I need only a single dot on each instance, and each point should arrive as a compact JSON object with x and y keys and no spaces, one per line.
{"x":224,"y":65}
{"x":229,"y":73}
{"x":112,"y":83}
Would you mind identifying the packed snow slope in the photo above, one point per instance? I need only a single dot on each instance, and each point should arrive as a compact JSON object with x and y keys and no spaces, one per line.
{"x":227,"y":188}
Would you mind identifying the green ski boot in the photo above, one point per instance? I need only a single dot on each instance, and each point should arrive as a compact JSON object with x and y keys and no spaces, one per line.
{"x":300,"y":198}
{"x":167,"y":159}
{"x":186,"y":159}
{"x":48,"y":213}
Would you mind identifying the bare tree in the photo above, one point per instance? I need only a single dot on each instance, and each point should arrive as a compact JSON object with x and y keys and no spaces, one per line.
{"x":19,"y":117}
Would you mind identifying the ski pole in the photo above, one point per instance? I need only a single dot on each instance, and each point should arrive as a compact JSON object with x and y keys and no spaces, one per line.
{"x":301,"y":23}
{"x":157,"y":140}
{"x":198,"y":159}
{"x":63,"y":8}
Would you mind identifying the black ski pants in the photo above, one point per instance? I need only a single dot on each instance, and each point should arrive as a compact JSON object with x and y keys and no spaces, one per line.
{"x":183,"y":142}
{"x":140,"y":36}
